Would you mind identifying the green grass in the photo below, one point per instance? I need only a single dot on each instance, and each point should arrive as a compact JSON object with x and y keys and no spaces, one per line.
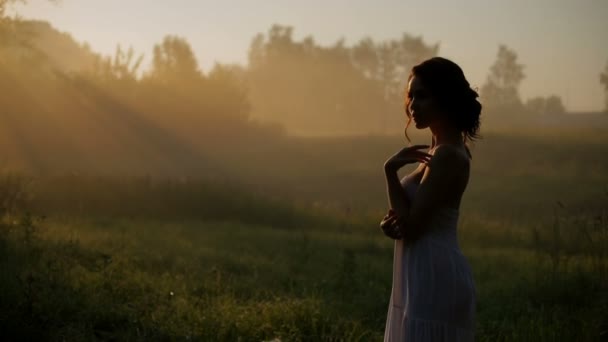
{"x":138,"y":279}
{"x":207,"y":280}
{"x":143,"y":260}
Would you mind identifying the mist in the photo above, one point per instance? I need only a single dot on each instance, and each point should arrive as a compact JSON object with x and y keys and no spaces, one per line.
{"x":146,"y":194}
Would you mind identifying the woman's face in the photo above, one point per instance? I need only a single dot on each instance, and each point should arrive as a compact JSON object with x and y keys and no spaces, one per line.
{"x":422,"y":106}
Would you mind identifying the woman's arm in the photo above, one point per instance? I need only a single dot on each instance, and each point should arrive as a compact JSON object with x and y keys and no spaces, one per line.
{"x":444,"y":179}
{"x":397,"y":197}
{"x":399,"y":203}
{"x":395,"y":194}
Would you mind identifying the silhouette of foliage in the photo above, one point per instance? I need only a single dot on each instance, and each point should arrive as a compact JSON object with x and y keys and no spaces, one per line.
{"x":122,"y":67}
{"x":501,"y":91}
{"x":174,"y":62}
{"x":390,"y":62}
{"x":549,"y":105}
{"x":331,"y":89}
{"x":7,"y":30}
{"x":110,"y":117}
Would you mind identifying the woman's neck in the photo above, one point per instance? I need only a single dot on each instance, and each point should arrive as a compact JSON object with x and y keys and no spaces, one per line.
{"x":445,"y":135}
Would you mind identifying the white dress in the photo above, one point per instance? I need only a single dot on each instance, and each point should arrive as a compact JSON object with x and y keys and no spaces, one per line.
{"x":433,"y":295}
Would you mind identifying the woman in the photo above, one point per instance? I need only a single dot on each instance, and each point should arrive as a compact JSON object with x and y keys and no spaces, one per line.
{"x":433,"y":295}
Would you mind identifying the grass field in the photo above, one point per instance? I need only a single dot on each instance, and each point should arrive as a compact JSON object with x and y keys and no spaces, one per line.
{"x":199,"y":260}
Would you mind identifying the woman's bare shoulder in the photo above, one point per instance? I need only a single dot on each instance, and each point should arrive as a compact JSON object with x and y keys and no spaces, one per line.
{"x":452,"y":157}
{"x":451,"y":153}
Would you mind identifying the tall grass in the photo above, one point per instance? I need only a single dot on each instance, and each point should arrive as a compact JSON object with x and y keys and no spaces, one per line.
{"x":90,"y":258}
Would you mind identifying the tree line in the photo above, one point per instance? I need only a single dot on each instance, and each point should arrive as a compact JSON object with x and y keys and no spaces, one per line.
{"x":287,"y":86}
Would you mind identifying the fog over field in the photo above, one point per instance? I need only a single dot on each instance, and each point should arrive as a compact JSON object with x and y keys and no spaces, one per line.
{"x":214,"y":172}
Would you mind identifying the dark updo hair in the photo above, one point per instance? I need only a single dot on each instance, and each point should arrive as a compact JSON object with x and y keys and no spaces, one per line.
{"x":448,"y":86}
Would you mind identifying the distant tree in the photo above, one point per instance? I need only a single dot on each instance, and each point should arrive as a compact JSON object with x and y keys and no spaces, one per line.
{"x":389,"y":62}
{"x":16,"y":40}
{"x":501,"y":90}
{"x":175,"y":89}
{"x":122,"y":67}
{"x":536,"y":105}
{"x":604,"y":81}
{"x":330,"y":89}
{"x":554,"y":105}
{"x":7,"y":30}
{"x":276,"y":46}
{"x":117,"y":74}
{"x":311,"y":89}
{"x":4,"y":20}
{"x":228,"y":92}
{"x":173,"y":61}
{"x":549,"y":105}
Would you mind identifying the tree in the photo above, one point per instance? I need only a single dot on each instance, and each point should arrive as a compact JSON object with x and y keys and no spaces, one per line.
{"x":554,"y":105}
{"x":7,"y":31}
{"x":228,"y":93}
{"x":331,"y":89}
{"x":120,"y":68}
{"x":16,"y":40}
{"x":174,"y":62}
{"x":501,"y":90}
{"x":390,"y":62}
{"x":117,"y":74}
{"x":604,"y":81}
{"x":549,"y":105}
{"x":311,"y":89}
{"x":4,"y":5}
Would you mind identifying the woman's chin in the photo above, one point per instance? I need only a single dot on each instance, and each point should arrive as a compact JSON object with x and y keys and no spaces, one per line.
{"x":419,"y":125}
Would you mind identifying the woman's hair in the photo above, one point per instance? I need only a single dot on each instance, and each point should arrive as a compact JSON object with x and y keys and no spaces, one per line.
{"x":448,"y":86}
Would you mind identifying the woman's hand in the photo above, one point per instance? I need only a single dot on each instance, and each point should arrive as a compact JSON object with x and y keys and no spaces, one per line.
{"x":408,"y":155}
{"x":390,"y":225}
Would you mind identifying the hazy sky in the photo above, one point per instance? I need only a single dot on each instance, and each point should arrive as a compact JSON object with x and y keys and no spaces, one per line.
{"x":561,"y":42}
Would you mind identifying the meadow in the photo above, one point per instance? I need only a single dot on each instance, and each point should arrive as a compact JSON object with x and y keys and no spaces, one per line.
{"x":289,"y":249}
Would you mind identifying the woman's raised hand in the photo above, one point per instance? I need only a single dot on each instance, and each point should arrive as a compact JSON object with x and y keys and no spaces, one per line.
{"x":407,"y":155}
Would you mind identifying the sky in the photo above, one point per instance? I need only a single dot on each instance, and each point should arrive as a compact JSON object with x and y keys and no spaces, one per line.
{"x":562,"y":43}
